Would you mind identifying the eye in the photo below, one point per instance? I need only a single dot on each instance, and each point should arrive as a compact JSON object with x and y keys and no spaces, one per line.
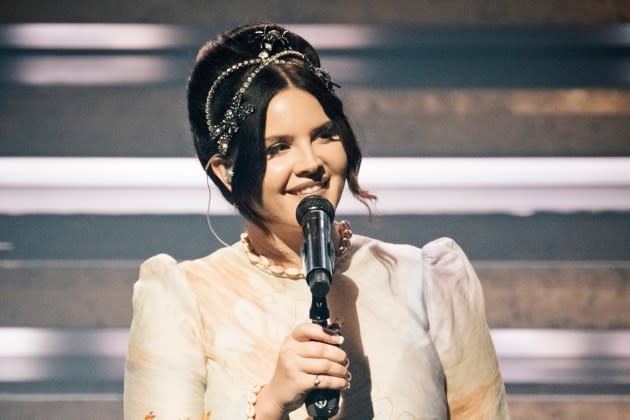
{"x":276,"y":148}
{"x":329,"y":134}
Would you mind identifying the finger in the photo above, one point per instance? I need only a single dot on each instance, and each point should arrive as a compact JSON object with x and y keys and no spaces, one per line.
{"x":317,"y":350}
{"x":312,"y":332}
{"x":348,"y":381}
{"x":348,"y":386}
{"x":326,"y":382}
{"x":324,"y":367}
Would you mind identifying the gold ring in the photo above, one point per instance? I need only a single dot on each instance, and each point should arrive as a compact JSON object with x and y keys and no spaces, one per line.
{"x":317,"y":382}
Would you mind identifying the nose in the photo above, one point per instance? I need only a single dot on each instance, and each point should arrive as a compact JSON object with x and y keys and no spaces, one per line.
{"x":307,"y":162}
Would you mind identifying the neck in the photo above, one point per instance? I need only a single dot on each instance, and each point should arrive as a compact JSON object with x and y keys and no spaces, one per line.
{"x":280,"y":246}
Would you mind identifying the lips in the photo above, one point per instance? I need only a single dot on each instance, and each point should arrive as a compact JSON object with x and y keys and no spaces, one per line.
{"x":310,"y":188}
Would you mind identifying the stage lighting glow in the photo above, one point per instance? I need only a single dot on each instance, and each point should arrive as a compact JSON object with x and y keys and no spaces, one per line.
{"x":520,"y":186}
{"x":92,"y":36}
{"x":91,"y":71}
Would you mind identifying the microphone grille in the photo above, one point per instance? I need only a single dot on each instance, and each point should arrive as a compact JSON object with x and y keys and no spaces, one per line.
{"x":314,"y":202}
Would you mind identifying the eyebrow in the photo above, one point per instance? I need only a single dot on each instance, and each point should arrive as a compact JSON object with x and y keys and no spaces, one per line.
{"x":317,"y":131}
{"x":314,"y":133}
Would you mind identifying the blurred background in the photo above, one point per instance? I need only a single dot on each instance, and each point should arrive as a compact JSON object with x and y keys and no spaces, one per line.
{"x":503,"y":124}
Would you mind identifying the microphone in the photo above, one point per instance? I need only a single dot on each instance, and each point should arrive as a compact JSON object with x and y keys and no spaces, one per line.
{"x":315,"y":214}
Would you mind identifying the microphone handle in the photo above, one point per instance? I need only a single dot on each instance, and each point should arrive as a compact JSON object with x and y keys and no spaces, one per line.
{"x":323,"y":403}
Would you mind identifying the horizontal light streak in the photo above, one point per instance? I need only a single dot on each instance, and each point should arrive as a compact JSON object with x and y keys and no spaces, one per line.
{"x":508,"y":342}
{"x":499,"y":103}
{"x":30,"y":342}
{"x":404,"y":186}
{"x":116,"y":69}
{"x":342,"y":47}
{"x":545,"y":343}
{"x":131,"y":36}
{"x":31,"y":397}
{"x":126,"y":36}
{"x":91,"y":71}
{"x":525,"y":355}
{"x":92,"y":36}
{"x":569,"y":102}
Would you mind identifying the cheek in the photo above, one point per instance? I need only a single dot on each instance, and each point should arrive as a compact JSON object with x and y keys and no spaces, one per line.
{"x":340,"y":160}
{"x":276,"y":175}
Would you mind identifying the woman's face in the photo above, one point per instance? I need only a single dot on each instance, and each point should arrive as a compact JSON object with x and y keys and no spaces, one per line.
{"x":305,"y":156}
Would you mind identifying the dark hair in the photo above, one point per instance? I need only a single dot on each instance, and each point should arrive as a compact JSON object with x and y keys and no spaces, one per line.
{"x":247,"y":147}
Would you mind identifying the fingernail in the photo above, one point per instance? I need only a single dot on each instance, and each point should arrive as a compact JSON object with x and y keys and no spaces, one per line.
{"x":340,"y":339}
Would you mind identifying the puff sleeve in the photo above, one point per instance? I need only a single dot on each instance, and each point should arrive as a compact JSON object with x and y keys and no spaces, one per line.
{"x":459,"y":331}
{"x":165,"y":373}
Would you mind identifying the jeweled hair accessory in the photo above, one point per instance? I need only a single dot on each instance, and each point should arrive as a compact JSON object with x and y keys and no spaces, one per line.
{"x":239,"y":110}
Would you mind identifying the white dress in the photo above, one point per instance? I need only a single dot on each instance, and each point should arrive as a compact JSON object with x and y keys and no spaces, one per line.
{"x":205,"y":331}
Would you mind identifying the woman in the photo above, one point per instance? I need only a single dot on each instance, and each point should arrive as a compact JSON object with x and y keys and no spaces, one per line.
{"x":227,"y":336}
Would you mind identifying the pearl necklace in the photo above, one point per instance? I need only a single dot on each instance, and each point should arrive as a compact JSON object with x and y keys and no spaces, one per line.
{"x":295,"y":273}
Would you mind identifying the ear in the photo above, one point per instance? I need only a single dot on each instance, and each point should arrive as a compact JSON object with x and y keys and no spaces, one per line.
{"x":222,"y":168}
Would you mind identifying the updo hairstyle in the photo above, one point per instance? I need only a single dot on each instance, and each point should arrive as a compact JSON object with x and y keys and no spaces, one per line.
{"x":246,"y":152}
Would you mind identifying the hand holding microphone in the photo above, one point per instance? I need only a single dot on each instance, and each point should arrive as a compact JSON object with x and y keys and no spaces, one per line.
{"x":311,"y":367}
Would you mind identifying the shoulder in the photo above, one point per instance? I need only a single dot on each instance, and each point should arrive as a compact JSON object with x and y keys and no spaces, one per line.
{"x":442,"y":253}
{"x":445,"y":257}
{"x":448,"y":271}
{"x":160,"y":270}
{"x":203,"y":281}
{"x":219,"y":265}
{"x":440,"y":247}
{"x":453,"y":292}
{"x":439,"y":267}
{"x":179,"y":279}
{"x":157,"y":267}
{"x":364,"y":247}
{"x":162,"y":281}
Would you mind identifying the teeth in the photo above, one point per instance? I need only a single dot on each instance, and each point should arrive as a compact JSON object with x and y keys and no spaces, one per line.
{"x":309,"y":190}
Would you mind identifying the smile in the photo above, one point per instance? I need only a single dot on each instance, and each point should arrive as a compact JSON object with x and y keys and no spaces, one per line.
{"x":309,"y":190}
{"x":311,"y":187}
